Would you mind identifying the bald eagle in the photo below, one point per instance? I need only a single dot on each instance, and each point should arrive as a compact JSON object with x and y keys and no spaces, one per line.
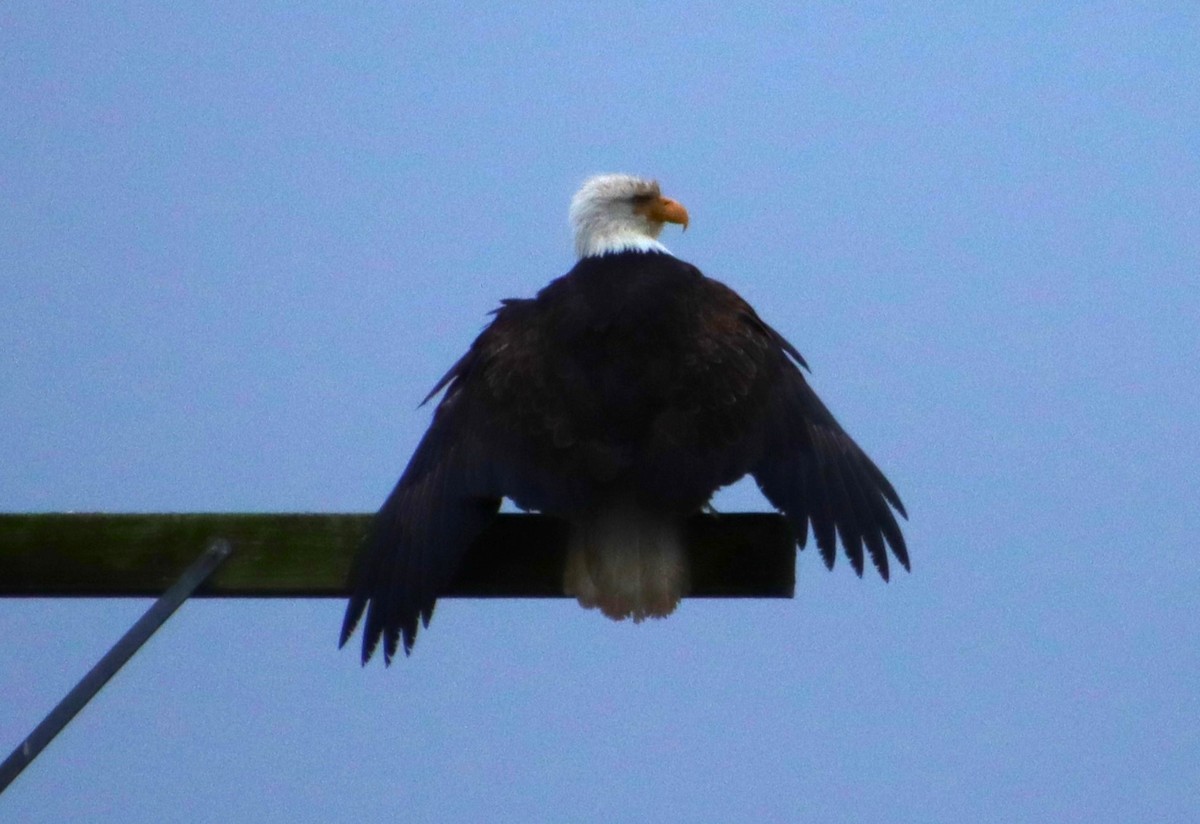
{"x":620,"y":398}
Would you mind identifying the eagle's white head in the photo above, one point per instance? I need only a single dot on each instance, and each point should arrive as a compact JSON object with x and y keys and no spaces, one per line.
{"x":621,"y":213}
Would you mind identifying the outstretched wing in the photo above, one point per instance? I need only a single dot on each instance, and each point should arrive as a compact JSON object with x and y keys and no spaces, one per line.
{"x":451,"y":490}
{"x":816,"y":474}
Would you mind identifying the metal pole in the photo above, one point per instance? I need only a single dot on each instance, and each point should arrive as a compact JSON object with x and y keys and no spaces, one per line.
{"x":218,"y":550}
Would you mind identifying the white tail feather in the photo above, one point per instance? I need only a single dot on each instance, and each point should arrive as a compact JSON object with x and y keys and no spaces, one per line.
{"x":627,"y":562}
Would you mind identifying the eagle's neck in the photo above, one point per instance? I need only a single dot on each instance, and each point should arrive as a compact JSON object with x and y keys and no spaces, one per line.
{"x":598,"y":244}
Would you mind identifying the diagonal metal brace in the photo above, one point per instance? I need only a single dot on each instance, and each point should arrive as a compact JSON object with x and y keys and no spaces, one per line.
{"x":217,"y":551}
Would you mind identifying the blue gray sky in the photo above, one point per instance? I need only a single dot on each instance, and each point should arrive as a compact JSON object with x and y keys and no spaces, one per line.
{"x":240,"y":242}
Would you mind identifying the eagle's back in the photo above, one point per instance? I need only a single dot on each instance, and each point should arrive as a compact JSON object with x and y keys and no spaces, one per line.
{"x":636,"y":375}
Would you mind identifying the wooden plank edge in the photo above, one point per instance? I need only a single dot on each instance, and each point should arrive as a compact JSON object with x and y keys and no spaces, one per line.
{"x":308,"y":555}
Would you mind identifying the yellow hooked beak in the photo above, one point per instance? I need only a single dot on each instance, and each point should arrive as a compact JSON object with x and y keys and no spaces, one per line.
{"x":665,"y":210}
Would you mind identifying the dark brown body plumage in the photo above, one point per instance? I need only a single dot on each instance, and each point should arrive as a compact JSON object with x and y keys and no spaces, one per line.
{"x":631,"y":378}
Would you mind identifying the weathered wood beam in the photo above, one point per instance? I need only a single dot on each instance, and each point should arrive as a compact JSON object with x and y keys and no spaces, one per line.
{"x":288,"y":555}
